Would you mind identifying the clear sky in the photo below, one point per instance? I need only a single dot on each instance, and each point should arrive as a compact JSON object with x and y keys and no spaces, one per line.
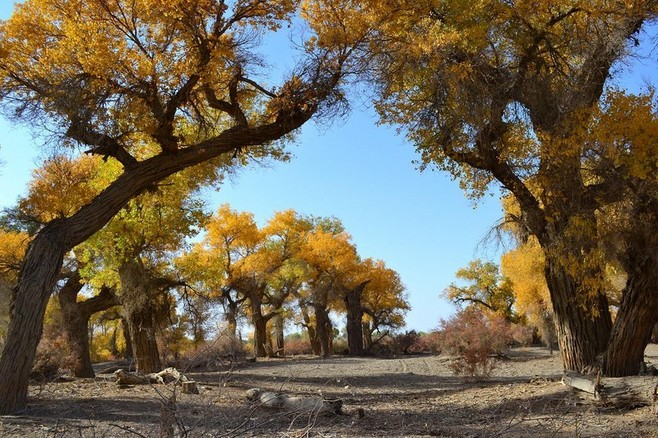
{"x":420,"y":224}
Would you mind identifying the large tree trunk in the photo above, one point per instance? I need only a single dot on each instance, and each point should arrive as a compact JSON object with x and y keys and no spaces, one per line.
{"x":354,"y":319}
{"x":637,"y":316}
{"x":260,"y":325}
{"x":137,"y":298}
{"x":38,"y":275}
{"x":75,"y":320}
{"x":76,"y":326}
{"x":142,"y":334}
{"x":278,"y":335}
{"x":583,"y":327}
{"x":324,"y":329}
{"x":313,"y":339}
{"x":231,"y":315}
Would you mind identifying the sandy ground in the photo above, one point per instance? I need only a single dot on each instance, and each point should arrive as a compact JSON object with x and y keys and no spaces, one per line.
{"x":408,"y":396}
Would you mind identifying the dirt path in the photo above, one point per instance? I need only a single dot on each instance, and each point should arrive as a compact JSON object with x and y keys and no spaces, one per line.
{"x":407,"y":396}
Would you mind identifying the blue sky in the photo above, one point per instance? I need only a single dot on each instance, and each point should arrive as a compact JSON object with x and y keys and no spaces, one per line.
{"x":420,"y":224}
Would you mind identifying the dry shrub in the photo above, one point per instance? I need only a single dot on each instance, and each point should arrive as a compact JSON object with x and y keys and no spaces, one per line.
{"x":523,"y":335}
{"x":298,"y":345}
{"x":408,"y":342}
{"x":223,"y":351}
{"x":473,"y":337}
{"x":429,"y":342}
{"x":53,"y":354}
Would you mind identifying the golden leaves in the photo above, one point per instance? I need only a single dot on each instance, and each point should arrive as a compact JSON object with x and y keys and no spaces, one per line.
{"x":12,"y":250}
{"x":62,"y":186}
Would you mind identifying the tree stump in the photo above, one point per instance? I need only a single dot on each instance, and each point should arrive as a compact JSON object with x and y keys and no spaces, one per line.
{"x":190,"y":387}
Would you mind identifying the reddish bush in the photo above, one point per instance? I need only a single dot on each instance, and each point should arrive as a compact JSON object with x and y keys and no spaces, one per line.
{"x":473,"y":337}
{"x":429,"y":343}
{"x":408,"y":342}
{"x":297,"y":345}
{"x":53,"y":354}
{"x":522,"y":335}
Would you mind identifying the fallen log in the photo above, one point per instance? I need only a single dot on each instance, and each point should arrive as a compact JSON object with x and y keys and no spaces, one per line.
{"x":627,"y":392}
{"x":314,"y":405}
{"x":167,"y":375}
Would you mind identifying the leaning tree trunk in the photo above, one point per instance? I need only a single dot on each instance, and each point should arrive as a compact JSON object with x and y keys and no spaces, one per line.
{"x":583,"y":328}
{"x":324,"y":329}
{"x":39,"y":273}
{"x":637,"y":316}
{"x":75,"y":320}
{"x":352,"y":300}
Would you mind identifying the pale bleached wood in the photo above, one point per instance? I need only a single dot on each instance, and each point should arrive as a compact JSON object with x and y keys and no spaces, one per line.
{"x":632,"y":391}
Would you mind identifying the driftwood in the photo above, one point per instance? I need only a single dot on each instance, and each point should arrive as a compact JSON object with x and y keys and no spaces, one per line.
{"x":315,"y":405}
{"x":167,"y":375}
{"x":628,"y":392}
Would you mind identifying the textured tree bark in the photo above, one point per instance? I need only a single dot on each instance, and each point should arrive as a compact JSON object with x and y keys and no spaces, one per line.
{"x":142,"y":333}
{"x":310,"y":329}
{"x":637,"y":316}
{"x":137,"y":298}
{"x":39,"y":273}
{"x":324,"y":329}
{"x":231,"y":315}
{"x":76,"y":326}
{"x":260,"y":324}
{"x":129,"y":351}
{"x":352,"y":300}
{"x":583,"y":329}
{"x":75,"y":320}
{"x":367,"y":336}
{"x":279,"y":338}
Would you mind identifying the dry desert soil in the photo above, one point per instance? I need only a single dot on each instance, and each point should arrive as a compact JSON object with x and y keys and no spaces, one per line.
{"x":405,"y":396}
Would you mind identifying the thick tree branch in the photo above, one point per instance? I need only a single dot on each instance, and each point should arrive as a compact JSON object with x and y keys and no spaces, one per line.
{"x":103,"y":144}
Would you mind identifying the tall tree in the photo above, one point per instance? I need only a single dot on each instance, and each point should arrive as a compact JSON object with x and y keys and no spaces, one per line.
{"x":505,"y":91}
{"x":110,"y":75}
{"x":623,"y":142}
{"x":332,"y":262}
{"x":285,"y":232}
{"x":383,"y":301}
